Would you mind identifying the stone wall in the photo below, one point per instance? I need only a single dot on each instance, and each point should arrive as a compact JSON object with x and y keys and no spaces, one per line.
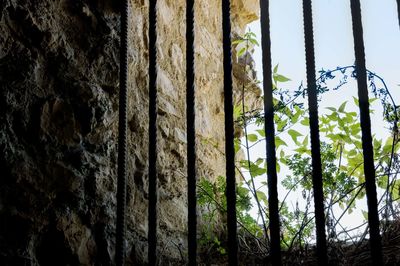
{"x":59,"y":64}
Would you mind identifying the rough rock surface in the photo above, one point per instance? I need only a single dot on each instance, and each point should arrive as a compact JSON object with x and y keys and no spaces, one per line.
{"x":59,"y":64}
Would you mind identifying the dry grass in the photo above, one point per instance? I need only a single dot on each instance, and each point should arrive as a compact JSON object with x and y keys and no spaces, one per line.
{"x":252,"y":252}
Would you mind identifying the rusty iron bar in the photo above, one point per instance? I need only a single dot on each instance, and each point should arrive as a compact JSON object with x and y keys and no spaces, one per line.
{"x":314,"y":133}
{"x":152,"y":208}
{"x":269,"y":128}
{"x":398,"y":10}
{"x":191,"y":133}
{"x":366,"y":137}
{"x":122,"y":138}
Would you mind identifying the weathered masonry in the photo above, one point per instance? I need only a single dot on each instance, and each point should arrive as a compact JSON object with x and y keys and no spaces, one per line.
{"x":77,"y":76}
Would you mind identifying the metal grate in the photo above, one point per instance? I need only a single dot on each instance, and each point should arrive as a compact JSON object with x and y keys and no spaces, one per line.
{"x":275,"y":252}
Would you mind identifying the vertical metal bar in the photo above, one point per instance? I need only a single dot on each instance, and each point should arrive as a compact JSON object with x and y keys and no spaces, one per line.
{"x":191,"y":133}
{"x":269,"y":128}
{"x":398,"y":10}
{"x":314,"y":132}
{"x":122,"y":136}
{"x":368,"y":152}
{"x":229,"y":137}
{"x":152,"y":233}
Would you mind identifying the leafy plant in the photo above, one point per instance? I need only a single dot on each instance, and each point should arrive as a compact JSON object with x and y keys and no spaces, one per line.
{"x":341,"y":154}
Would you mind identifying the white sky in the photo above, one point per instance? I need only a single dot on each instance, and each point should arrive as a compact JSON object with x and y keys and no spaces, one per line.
{"x":334,"y":47}
{"x":333,"y":37}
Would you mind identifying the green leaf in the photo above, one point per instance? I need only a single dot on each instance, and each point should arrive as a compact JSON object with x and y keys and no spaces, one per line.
{"x":236,"y":144}
{"x":333,"y":137}
{"x":282,"y":124}
{"x":358,"y":144}
{"x":303,"y":150}
{"x":279,"y":142}
{"x":382,"y":181}
{"x":255,"y":170}
{"x":259,"y":161}
{"x":222,"y":250}
{"x":377,"y":144}
{"x":276,"y":68}
{"x":356,"y":101}
{"x":396,"y":189}
{"x":294,"y":134}
{"x":280,"y":78}
{"x":241,"y":52}
{"x":387,"y":148}
{"x":305,"y":121}
{"x":252,"y":137}
{"x":237,"y":111}
{"x":244,"y":164}
{"x":278,"y":167}
{"x":206,"y":192}
{"x":261,"y":132}
{"x":254,"y":41}
{"x":237,"y":41}
{"x":348,"y":119}
{"x":342,"y":107}
{"x":305,"y":141}
{"x":261,"y":196}
{"x":333,"y":109}
{"x":252,"y":34}
{"x":372,"y":100}
{"x":341,"y":123}
{"x":355,"y":129}
{"x":352,"y":153}
{"x":296,"y":116}
{"x":352,"y":113}
{"x":345,"y":138}
{"x":333,"y":116}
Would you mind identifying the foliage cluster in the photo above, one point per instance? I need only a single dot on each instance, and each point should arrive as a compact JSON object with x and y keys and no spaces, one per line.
{"x":341,"y":154}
